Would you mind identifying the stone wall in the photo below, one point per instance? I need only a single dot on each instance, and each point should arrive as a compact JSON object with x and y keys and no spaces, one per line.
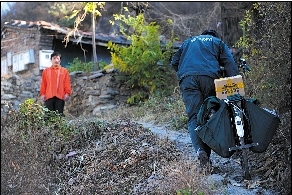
{"x":92,"y":93}
{"x":96,"y":92}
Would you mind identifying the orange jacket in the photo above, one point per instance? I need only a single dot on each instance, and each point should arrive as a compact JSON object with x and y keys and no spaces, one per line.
{"x":55,"y":82}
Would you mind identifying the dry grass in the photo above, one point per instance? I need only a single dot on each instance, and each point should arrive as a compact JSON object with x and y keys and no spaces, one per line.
{"x":168,"y":110}
{"x":91,"y":156}
{"x":182,"y":177}
{"x":33,"y":159}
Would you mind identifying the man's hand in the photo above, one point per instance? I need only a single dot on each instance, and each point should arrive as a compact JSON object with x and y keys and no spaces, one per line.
{"x":43,"y":98}
{"x":66,"y":97}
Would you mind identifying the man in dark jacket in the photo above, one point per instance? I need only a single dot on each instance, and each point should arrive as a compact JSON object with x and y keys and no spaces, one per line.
{"x":196,"y":63}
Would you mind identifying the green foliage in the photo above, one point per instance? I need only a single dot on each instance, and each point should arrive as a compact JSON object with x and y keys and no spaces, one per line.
{"x":184,"y":192}
{"x":78,"y":65}
{"x":91,"y":7}
{"x":80,"y":12}
{"x":145,"y":61}
{"x":245,"y":24}
{"x":33,"y":120}
{"x":32,"y":116}
{"x":137,"y":97}
{"x":102,"y":64}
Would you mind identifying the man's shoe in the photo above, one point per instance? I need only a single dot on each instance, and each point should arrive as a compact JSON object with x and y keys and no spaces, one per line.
{"x":203,"y":157}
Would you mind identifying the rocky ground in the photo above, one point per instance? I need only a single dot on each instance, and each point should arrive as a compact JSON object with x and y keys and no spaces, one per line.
{"x":121,"y":157}
{"x":225,"y":172}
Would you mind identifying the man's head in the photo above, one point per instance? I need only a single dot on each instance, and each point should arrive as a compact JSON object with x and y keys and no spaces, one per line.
{"x":56,"y":58}
{"x":211,"y":32}
{"x":56,"y":54}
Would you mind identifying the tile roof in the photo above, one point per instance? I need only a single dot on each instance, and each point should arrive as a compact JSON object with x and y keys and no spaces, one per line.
{"x":64,"y":30}
{"x":101,"y":37}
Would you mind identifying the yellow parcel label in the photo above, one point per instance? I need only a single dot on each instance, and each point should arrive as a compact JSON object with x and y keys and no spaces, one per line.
{"x":229,"y":86}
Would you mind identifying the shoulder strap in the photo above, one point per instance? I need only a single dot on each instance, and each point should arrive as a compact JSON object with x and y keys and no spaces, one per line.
{"x":220,"y":49}
{"x":222,"y":71}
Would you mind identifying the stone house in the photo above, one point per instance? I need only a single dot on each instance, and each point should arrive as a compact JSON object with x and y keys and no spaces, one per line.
{"x":25,"y":51}
{"x":27,"y":45}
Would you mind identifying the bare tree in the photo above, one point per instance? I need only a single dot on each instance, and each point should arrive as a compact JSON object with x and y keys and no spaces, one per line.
{"x":185,"y":19}
{"x":80,"y":14}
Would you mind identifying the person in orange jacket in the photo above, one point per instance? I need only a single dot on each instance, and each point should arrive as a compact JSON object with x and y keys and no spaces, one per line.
{"x":55,"y":86}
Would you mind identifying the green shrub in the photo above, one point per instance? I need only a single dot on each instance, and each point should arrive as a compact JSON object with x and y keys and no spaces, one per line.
{"x":78,"y":65}
{"x":102,"y":64}
{"x":31,"y":117}
{"x":145,"y":62}
{"x":184,"y":192}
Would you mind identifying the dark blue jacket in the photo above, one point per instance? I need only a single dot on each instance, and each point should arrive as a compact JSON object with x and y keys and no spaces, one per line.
{"x":199,"y":55}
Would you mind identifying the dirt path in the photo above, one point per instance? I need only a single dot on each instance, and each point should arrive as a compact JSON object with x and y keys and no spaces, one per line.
{"x":227,"y":171}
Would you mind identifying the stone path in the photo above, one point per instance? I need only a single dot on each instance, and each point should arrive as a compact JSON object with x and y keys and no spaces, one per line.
{"x":227,"y":171}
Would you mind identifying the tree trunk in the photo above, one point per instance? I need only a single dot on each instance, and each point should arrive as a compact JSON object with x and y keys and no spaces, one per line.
{"x":95,"y":64}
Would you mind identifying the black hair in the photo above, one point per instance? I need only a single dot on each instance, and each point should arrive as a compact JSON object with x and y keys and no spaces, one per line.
{"x":56,"y":54}
{"x":211,"y":32}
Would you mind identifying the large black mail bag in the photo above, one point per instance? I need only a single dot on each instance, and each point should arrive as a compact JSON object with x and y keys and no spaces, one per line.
{"x":217,"y":131}
{"x":263,"y":125}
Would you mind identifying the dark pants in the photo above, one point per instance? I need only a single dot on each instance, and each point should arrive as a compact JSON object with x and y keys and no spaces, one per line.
{"x":195,"y":89}
{"x":55,"y":104}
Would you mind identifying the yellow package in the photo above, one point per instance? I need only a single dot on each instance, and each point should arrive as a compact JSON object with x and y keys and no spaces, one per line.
{"x":229,"y":86}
